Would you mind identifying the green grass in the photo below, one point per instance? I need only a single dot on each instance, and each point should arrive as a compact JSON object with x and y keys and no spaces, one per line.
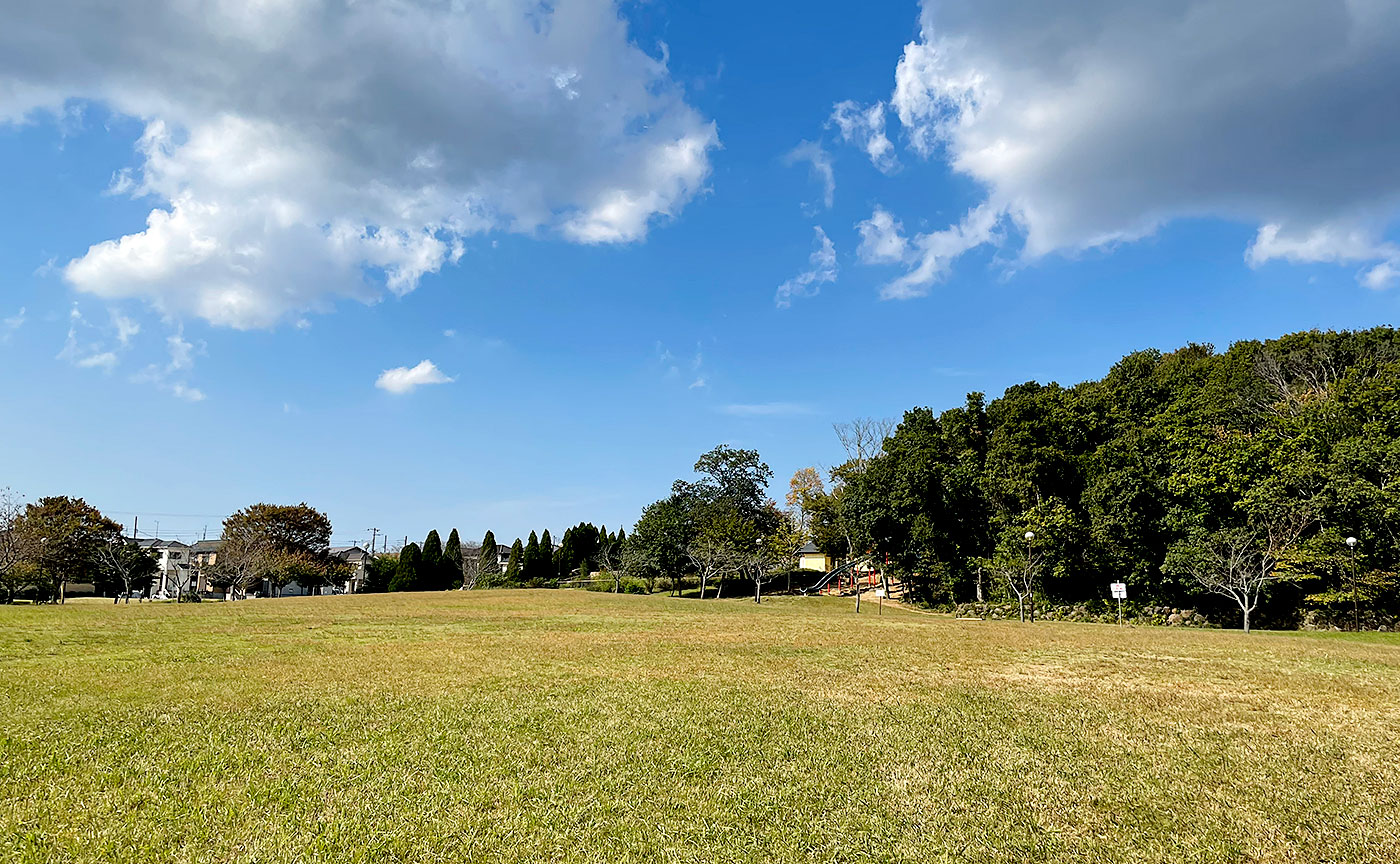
{"x":573,"y":726}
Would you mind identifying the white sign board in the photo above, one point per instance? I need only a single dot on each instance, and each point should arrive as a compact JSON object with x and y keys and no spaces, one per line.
{"x":1120,"y":591}
{"x":880,"y":592}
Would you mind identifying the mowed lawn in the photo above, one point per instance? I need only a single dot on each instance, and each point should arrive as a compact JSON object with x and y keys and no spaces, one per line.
{"x":567,"y":726}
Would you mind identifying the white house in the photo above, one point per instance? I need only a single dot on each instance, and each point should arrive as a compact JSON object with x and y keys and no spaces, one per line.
{"x":173,"y":572}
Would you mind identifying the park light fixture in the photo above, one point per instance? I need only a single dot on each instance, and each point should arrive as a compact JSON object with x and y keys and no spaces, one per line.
{"x":1030,"y":535}
{"x":1351,"y":541}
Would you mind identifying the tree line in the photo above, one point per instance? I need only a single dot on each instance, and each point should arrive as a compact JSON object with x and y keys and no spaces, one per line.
{"x":57,"y":540}
{"x":1262,"y":482}
{"x":534,"y":563}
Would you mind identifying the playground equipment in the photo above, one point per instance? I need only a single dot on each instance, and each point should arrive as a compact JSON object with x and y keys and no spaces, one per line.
{"x":840,"y":574}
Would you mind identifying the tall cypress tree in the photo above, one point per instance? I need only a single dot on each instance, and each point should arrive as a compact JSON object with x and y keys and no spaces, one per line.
{"x":451,"y":578}
{"x":547,"y":558}
{"x":530,"y":562}
{"x":406,"y":577}
{"x":490,"y":556}
{"x":517,"y":552}
{"x":431,"y":565}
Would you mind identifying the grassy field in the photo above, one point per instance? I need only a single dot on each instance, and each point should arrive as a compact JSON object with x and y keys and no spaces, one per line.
{"x":566,"y":726}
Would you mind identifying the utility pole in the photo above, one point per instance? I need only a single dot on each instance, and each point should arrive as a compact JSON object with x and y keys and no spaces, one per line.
{"x":374,"y":538}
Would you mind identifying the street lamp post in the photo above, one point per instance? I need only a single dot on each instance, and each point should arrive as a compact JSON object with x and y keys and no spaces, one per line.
{"x":1030,"y":576}
{"x":1355,"y":602}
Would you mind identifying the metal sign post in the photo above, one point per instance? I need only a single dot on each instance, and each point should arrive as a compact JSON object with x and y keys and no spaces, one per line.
{"x":1120,"y":593}
{"x":880,"y":594}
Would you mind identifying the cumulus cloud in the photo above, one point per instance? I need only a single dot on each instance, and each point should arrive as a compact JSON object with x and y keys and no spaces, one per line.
{"x":821,"y":270}
{"x":403,"y":379}
{"x":300,"y":151}
{"x":1101,"y":123}
{"x":865,"y":127}
{"x":822,"y":170}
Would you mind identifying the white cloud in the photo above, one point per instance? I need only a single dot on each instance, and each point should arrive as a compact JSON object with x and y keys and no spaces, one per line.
{"x":405,"y":380}
{"x":9,"y":325}
{"x":931,"y":255}
{"x":181,"y":352}
{"x":1100,"y":123}
{"x":815,"y":155}
{"x":189,"y":394}
{"x":300,"y":151}
{"x":105,"y":360}
{"x":865,"y":127}
{"x":82,"y":351}
{"x":1384,"y":275}
{"x":126,"y":328}
{"x":882,"y":239}
{"x":822,"y":269}
{"x":172,"y":376}
{"x":767,"y":409}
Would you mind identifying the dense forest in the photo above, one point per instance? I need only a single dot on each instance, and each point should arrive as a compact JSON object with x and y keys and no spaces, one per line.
{"x":1173,"y":471}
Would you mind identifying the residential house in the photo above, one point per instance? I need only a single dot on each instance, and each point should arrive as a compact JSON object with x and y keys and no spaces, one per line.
{"x":358,"y":559}
{"x":173,"y":572}
{"x":205,"y":555}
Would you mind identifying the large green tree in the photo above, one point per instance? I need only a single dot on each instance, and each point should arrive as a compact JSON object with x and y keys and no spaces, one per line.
{"x":450,"y":577}
{"x":408,"y":574}
{"x":513,"y":565}
{"x":430,"y":569}
{"x":62,"y":538}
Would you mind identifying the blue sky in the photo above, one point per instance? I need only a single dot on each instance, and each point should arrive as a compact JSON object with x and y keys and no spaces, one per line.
{"x":592,"y":251}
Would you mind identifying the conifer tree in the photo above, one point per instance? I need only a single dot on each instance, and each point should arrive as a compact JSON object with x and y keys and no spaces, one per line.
{"x":490,"y":557}
{"x":451,"y":578}
{"x":530,"y":562}
{"x":431,"y":565}
{"x":517,"y":551}
{"x":406,"y":576}
{"x":546,"y":557}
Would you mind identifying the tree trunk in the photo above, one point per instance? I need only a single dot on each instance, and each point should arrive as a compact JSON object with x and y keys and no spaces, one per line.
{"x":703,"y":580}
{"x":1246,"y":618}
{"x":1022,"y":601}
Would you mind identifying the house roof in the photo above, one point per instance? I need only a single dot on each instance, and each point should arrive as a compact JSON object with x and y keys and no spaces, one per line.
{"x":155,"y":543}
{"x":208,"y":546}
{"x":348,"y":552}
{"x":809,"y":549}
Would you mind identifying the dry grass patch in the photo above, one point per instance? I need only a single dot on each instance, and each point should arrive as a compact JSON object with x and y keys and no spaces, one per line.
{"x":570,"y":726}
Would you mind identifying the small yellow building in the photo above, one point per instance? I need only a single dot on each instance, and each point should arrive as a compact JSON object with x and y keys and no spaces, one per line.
{"x":809,"y":557}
